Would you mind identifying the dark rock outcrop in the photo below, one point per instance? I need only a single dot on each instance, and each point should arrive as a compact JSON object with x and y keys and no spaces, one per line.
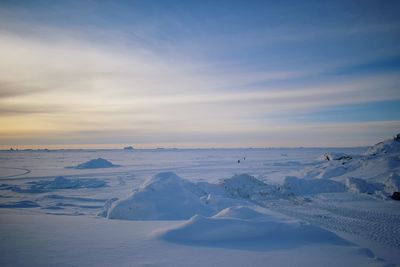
{"x":396,"y":196}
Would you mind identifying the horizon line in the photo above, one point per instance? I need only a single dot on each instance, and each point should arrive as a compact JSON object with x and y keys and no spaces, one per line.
{"x":54,"y":148}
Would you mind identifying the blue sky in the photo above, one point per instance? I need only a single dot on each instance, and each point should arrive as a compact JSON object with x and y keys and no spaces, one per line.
{"x":199,"y":73}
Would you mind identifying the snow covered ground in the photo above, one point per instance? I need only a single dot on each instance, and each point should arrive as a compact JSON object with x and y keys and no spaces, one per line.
{"x":200,"y":207}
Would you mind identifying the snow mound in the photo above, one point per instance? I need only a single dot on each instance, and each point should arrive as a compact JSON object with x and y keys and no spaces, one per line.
{"x":358,"y":185}
{"x":163,"y":197}
{"x":386,"y":147}
{"x":248,"y":187}
{"x":243,"y":225}
{"x":300,"y":187}
{"x":95,"y":164}
{"x":58,"y":183}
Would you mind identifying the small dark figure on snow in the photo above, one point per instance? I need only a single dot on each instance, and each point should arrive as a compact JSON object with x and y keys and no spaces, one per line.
{"x":238,"y":161}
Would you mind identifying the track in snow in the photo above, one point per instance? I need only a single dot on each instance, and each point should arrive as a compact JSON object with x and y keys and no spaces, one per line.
{"x":26,"y":171}
{"x":382,"y":227}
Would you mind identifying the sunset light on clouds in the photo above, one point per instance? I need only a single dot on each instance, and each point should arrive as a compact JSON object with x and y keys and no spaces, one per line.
{"x":179,"y":74}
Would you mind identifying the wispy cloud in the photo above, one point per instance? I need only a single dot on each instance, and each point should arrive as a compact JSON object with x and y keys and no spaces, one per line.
{"x":84,"y":85}
{"x":90,"y":85}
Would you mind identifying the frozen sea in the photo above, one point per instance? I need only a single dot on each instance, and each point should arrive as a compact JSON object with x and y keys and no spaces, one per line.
{"x":52,"y":214}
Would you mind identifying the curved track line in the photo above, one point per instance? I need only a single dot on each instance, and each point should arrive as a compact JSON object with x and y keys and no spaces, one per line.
{"x":26,"y":171}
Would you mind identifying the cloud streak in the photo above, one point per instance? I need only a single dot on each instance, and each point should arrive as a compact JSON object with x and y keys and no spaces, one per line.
{"x":64,"y":83}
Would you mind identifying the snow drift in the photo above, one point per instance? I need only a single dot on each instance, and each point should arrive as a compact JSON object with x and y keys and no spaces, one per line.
{"x":166,"y":196}
{"x":95,"y":164}
{"x":244,"y":225}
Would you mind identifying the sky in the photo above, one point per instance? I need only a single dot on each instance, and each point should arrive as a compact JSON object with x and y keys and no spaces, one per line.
{"x":186,"y":74}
